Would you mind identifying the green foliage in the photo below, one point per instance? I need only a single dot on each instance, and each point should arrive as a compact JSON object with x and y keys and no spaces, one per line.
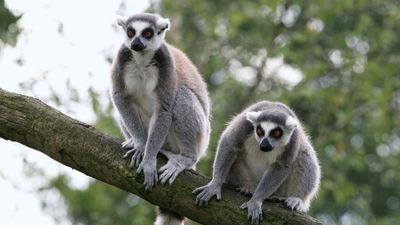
{"x":8,"y":28}
{"x":104,"y":119}
{"x":102,"y":204}
{"x":348,"y":98}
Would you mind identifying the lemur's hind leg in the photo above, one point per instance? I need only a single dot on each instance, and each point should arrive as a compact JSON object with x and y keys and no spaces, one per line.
{"x":240,"y":177}
{"x":302,"y":183}
{"x":190,"y":128}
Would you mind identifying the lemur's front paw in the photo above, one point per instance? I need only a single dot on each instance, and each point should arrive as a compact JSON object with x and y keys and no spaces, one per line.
{"x":137,"y":150}
{"x":150,"y":173}
{"x":245,"y":191}
{"x":254,"y":211}
{"x":170,"y":171}
{"x":206,"y":193}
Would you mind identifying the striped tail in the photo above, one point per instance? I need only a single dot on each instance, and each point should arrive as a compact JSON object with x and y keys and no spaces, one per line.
{"x":165,"y":217}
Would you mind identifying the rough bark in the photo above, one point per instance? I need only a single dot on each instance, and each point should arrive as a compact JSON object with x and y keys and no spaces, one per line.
{"x":80,"y":146}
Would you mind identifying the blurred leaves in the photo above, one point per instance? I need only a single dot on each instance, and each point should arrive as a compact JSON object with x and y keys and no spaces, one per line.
{"x":102,"y":204}
{"x":8,"y":27}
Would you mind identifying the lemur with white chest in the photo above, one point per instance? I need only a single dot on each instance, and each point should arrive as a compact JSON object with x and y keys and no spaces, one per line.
{"x":265,"y":153}
{"x":162,"y":101}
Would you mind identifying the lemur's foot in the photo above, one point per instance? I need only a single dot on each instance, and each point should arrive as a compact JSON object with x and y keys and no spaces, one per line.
{"x":293,"y":203}
{"x":170,"y":171}
{"x":128,"y":144}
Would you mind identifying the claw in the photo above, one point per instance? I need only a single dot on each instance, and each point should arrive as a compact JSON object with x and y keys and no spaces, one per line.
{"x":139,"y":170}
{"x":128,"y":144}
{"x":165,"y":175}
{"x":163,"y":168}
{"x":136,"y":158}
{"x":127,"y":153}
{"x":172,"y":179}
{"x":197,"y":190}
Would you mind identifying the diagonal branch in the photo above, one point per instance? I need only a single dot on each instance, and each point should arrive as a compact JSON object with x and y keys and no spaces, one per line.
{"x":80,"y":146}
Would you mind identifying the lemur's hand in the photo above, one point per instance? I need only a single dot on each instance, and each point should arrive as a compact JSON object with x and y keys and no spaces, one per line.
{"x":136,"y":149}
{"x":206,"y":193}
{"x":254,"y":211}
{"x":150,"y":173}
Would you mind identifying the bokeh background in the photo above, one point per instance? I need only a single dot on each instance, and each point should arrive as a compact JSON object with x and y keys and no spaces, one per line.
{"x":336,"y":63}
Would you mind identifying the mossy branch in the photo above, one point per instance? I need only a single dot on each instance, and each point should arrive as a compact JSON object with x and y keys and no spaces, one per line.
{"x":80,"y":146}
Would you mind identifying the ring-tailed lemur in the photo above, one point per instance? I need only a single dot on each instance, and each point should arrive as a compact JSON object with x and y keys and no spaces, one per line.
{"x":162,"y":101}
{"x":264,"y":152}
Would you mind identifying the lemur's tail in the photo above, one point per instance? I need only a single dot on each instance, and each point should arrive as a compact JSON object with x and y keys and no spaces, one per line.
{"x":165,"y":217}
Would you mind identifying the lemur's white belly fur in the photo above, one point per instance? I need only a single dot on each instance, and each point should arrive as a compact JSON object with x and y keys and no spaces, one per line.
{"x":140,"y":82}
{"x":256,"y":160}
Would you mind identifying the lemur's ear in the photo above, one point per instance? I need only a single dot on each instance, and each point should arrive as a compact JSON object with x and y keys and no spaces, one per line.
{"x":121,"y":21}
{"x":291,"y":122}
{"x":252,"y":116}
{"x":163,"y":24}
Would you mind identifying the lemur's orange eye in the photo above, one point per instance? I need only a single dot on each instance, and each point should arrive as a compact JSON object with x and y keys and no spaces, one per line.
{"x":276,"y":133}
{"x":131,"y":33}
{"x":148,"y":33}
{"x":259,"y":131}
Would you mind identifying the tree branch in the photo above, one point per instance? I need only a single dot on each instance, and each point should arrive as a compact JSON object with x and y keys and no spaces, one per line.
{"x":80,"y":146}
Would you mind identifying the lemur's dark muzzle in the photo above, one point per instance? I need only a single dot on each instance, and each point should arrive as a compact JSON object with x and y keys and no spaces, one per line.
{"x":137,"y":45}
{"x":265,"y":146}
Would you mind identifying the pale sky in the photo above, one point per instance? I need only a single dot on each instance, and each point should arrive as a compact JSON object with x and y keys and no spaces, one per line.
{"x":77,"y":54}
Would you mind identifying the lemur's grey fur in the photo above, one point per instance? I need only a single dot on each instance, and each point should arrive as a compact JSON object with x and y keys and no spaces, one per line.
{"x":161,"y":98}
{"x":287,"y":171}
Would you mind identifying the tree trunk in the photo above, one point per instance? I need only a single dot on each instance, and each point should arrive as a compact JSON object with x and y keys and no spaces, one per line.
{"x":80,"y":146}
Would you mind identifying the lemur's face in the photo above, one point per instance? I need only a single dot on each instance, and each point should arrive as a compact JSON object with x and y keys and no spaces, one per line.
{"x":144,"y":33}
{"x":141,"y":36}
{"x":270,"y":134}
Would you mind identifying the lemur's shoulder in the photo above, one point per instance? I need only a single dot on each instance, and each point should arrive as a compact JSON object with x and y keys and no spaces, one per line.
{"x":189,"y":76}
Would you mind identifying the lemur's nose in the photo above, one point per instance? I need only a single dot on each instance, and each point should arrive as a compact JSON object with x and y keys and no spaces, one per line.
{"x":137,"y":45}
{"x":265,"y":146}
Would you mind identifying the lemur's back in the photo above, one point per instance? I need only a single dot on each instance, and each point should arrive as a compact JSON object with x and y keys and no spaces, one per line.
{"x":189,"y":76}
